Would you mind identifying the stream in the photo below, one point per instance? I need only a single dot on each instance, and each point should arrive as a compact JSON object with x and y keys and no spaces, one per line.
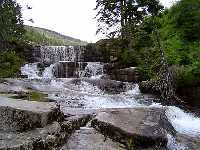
{"x":83,"y":94}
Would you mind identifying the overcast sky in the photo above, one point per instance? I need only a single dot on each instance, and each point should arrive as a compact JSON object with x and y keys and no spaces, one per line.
{"x":69,"y":17}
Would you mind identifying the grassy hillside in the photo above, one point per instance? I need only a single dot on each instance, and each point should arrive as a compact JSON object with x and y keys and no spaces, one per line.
{"x":47,"y":37}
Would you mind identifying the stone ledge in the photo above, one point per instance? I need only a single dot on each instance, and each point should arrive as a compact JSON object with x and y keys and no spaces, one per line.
{"x":22,"y":115}
{"x":138,"y":128}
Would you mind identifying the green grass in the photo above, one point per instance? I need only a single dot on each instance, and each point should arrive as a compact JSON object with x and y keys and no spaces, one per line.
{"x":42,"y":36}
{"x":32,"y":96}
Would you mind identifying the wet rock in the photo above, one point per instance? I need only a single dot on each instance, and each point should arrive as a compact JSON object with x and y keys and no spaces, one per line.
{"x":90,"y":139}
{"x":21,"y":115}
{"x":150,"y":87}
{"x":132,"y":74}
{"x":75,"y":122}
{"x":135,"y":128}
{"x":109,"y":86}
{"x":187,"y":142}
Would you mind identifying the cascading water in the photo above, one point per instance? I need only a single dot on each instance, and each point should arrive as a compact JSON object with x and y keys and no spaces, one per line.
{"x":55,"y":54}
{"x":93,"y":70}
{"x":79,"y":93}
{"x":30,"y":70}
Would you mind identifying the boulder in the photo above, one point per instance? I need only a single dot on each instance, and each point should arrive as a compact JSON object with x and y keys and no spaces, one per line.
{"x":132,"y":74}
{"x":22,"y":115}
{"x":89,"y":139}
{"x":136,"y":127}
{"x":109,"y":86}
{"x":149,"y":87}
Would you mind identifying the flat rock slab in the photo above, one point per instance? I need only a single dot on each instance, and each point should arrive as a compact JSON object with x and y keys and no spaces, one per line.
{"x":39,"y":138}
{"x":138,"y":127}
{"x":90,"y":139}
{"x":21,"y":115}
{"x":48,"y":138}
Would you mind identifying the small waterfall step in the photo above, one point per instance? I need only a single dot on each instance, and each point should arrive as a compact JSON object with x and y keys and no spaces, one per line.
{"x":89,"y":139}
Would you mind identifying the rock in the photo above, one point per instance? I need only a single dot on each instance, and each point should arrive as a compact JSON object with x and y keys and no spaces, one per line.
{"x":41,"y":138}
{"x":132,"y":74}
{"x":150,"y":87}
{"x":109,"y":86}
{"x":75,"y":122}
{"x":21,"y":115}
{"x":90,"y":139}
{"x":136,"y":127}
{"x":188,"y":142}
{"x":49,"y":137}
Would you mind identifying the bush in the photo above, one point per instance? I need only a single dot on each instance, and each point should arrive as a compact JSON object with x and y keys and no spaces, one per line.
{"x":187,"y":76}
{"x":10,"y":64}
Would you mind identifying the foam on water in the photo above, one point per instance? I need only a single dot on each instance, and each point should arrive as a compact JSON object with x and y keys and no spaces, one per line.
{"x":31,"y":70}
{"x":184,"y":123}
{"x":48,"y":72}
{"x":93,"y":70}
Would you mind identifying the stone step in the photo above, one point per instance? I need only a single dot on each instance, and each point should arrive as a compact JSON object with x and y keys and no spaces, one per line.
{"x":48,"y":138}
{"x":90,"y":139}
{"x":135,"y":128}
{"x":22,"y":115}
{"x":40,"y":138}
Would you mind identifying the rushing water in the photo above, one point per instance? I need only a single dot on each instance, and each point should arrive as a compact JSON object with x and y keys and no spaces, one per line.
{"x":72,"y":93}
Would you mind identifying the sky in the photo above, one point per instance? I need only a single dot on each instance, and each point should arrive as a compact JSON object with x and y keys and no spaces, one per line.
{"x":74,"y":18}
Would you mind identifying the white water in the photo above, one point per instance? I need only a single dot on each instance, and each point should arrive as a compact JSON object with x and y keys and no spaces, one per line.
{"x":93,"y":70}
{"x":48,"y":72}
{"x":31,"y":70}
{"x":184,"y":123}
{"x":88,"y":96}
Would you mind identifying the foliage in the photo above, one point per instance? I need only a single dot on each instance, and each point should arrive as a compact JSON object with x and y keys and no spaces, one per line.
{"x":11,"y":23}
{"x":179,"y":35}
{"x":126,"y":13}
{"x":10,"y":63}
{"x":187,"y":19}
{"x":41,"y":36}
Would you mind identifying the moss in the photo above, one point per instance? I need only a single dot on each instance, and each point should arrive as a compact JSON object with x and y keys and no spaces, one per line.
{"x":32,"y":96}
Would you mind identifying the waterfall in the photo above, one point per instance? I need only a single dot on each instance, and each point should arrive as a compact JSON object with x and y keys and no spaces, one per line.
{"x":49,"y":72}
{"x":30,"y":70}
{"x":53,"y":54}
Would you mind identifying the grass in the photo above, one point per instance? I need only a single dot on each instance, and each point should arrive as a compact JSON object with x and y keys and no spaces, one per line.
{"x":32,"y":96}
{"x":42,"y":36}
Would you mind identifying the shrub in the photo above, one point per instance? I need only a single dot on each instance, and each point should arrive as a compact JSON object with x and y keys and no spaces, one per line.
{"x":10,"y":64}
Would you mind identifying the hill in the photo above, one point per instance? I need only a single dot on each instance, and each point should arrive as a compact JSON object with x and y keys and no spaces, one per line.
{"x":36,"y":35}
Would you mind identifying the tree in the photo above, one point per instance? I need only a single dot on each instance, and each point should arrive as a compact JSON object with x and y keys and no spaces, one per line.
{"x":123,"y":16}
{"x":11,"y":23}
{"x":187,"y":19}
